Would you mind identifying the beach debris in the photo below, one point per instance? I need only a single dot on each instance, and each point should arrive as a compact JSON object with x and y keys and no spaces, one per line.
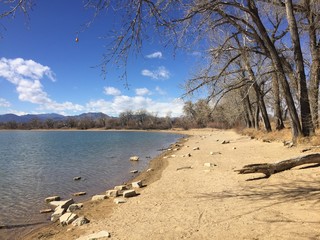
{"x":129,"y":193}
{"x":120,"y":187}
{"x":98,"y":197}
{"x":77,"y":178}
{"x":137,"y":184}
{"x":48,"y":210}
{"x":196,"y":148}
{"x":112,"y":193}
{"x":79,"y":194}
{"x":119,"y":200}
{"x":96,"y":236}
{"x":67,"y":218}
{"x":134,"y":158}
{"x":74,"y":207}
{"x":208,"y":164}
{"x":80,"y":221}
{"x":52,"y":198}
{"x":133,"y":171}
{"x":181,"y":168}
{"x":225,"y":142}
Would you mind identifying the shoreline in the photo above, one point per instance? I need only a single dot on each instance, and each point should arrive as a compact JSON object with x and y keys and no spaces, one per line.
{"x":199,"y":196}
{"x":157,"y":164}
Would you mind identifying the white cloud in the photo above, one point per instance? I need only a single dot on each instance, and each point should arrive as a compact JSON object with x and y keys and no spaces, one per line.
{"x":112,"y":91}
{"x":142,"y":91}
{"x":155,"y":55}
{"x":160,"y":91}
{"x":123,"y":103}
{"x":26,"y":76}
{"x":158,"y":74}
{"x":4,"y":103}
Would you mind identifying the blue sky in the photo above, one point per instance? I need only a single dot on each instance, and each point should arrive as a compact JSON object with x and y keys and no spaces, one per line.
{"x":44,"y":70}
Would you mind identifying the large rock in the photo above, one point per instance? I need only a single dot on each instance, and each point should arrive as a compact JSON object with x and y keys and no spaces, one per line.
{"x":80,"y":221}
{"x":74,"y":207}
{"x":112,"y":193}
{"x":64,"y":204}
{"x":58,"y":212}
{"x":96,"y":236}
{"x":134,"y":158}
{"x":79,"y":193}
{"x":137,"y":184}
{"x":99,"y":197}
{"x":129,"y":193}
{"x":120,"y":187}
{"x":67,"y":218}
{"x":52,"y":198}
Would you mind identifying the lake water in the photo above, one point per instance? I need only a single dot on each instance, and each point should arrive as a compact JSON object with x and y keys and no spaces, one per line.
{"x":38,"y":164}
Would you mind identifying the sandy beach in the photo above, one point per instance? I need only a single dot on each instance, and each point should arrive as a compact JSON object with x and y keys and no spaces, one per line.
{"x":202,"y":197}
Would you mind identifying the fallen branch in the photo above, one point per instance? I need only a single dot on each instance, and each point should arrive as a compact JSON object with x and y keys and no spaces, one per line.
{"x":271,"y":168}
{"x":180,"y":168}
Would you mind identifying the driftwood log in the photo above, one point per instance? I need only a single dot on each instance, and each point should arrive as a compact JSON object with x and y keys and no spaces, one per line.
{"x":271,"y":168}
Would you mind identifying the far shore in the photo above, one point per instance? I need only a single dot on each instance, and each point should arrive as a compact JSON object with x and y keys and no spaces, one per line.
{"x":194,"y":192}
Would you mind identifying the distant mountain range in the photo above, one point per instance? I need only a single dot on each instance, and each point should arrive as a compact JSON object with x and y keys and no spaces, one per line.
{"x":43,"y":117}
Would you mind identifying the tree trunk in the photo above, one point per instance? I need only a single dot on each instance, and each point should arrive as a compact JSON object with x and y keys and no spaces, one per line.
{"x":247,"y":108}
{"x":306,"y":120}
{"x":271,"y":168}
{"x":276,"y":104}
{"x":296,"y":126}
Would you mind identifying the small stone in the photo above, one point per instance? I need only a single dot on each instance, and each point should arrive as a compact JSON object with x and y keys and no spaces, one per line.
{"x":133,"y":171}
{"x":74,"y":207}
{"x":112,"y":193}
{"x":77,"y":178}
{"x":149,"y":170}
{"x":173,"y":156}
{"x":129,"y":193}
{"x":48,"y":210}
{"x":99,"y":197}
{"x":134,"y":158}
{"x":120,"y":187}
{"x":225,"y":142}
{"x":196,"y":148}
{"x":119,"y":200}
{"x":80,"y":221}
{"x":234,"y":148}
{"x":67,"y":218}
{"x":52,"y":198}
{"x":137,"y":184}
{"x":79,"y":193}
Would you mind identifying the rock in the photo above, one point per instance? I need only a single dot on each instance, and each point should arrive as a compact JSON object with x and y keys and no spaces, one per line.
{"x":67,"y":218}
{"x":79,"y":194}
{"x":225,"y":142}
{"x":234,"y":148}
{"x":134,"y":158}
{"x":133,"y":171}
{"x":189,"y":154}
{"x":96,"y":236}
{"x":58,"y":212}
{"x":137,"y":184}
{"x":149,"y":169}
{"x":119,"y":200}
{"x":48,"y":210}
{"x":196,"y":148}
{"x":173,"y":156}
{"x":74,"y":207}
{"x":209,"y":164}
{"x":99,"y":197}
{"x":112,"y":193}
{"x":52,"y":198}
{"x":64,"y":204}
{"x":77,"y":178}
{"x":129,"y":193}
{"x":80,"y":221}
{"x":120,"y":187}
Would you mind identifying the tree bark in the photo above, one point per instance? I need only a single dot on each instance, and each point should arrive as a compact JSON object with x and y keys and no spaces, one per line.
{"x":277,"y":104}
{"x":306,"y":120}
{"x":271,"y":168}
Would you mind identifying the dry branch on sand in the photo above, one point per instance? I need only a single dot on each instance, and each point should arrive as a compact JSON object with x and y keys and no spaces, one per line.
{"x":271,"y":168}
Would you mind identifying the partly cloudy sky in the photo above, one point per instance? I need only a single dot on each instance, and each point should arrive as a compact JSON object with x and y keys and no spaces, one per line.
{"x":43,"y":70}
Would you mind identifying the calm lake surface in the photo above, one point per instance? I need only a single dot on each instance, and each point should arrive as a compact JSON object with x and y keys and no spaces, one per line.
{"x":38,"y":164}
